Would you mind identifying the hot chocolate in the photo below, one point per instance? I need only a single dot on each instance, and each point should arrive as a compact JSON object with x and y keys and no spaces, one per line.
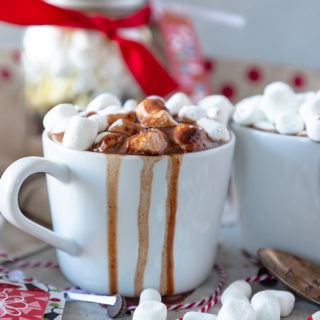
{"x":133,"y":204}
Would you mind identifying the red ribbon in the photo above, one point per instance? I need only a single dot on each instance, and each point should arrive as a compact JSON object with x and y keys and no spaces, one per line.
{"x":147,"y":71}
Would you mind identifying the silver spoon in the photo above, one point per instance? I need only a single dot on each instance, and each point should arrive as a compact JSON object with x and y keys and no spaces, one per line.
{"x":116,"y":304}
{"x":297,"y":274}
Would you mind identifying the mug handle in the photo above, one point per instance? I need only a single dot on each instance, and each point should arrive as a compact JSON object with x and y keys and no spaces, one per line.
{"x":10,"y":184}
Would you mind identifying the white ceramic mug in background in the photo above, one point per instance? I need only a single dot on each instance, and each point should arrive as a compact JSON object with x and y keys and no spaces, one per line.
{"x":123,"y":223}
{"x":277,"y":182}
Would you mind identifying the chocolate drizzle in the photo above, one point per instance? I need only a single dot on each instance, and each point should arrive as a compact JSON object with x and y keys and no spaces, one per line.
{"x":143,"y":220}
{"x":113,"y":166}
{"x":167,"y":274}
{"x":146,"y":180}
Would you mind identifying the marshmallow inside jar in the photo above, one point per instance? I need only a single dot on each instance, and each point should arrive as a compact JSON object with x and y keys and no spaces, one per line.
{"x":154,"y":183}
{"x":277,"y":155}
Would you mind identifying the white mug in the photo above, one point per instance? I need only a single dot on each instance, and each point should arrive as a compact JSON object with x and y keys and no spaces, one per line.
{"x":123,"y":223}
{"x":277,"y":186}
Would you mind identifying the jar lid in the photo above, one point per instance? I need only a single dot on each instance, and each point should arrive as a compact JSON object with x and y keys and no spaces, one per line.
{"x":96,"y":4}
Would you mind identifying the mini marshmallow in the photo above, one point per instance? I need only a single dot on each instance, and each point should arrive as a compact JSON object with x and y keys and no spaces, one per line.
{"x":130,"y":104}
{"x":80,"y":133}
{"x":313,"y":129}
{"x":278,"y":97}
{"x":303,"y":97}
{"x":192,"y":112}
{"x":311,"y":108}
{"x":214,"y":129}
{"x":217,"y":107}
{"x":214,"y":101}
{"x":176,"y":102}
{"x":80,"y":108}
{"x":248,"y":112}
{"x":61,"y":126}
{"x":289,"y":123}
{"x":100,"y":136}
{"x":16,"y":275}
{"x":265,"y":125}
{"x":286,"y":300}
{"x":154,"y":96}
{"x":193,"y":315}
{"x":112,"y":110}
{"x":266,"y":305}
{"x":149,"y":295}
{"x":102,"y":121}
{"x":238,"y":288}
{"x":149,"y":106}
{"x":237,"y":309}
{"x":57,"y":114}
{"x":103,"y":101}
{"x":219,"y":113}
{"x":150,"y":310}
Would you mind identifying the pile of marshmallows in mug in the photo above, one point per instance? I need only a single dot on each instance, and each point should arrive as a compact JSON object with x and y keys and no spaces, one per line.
{"x":264,"y":305}
{"x":81,"y":132}
{"x":279,"y":109}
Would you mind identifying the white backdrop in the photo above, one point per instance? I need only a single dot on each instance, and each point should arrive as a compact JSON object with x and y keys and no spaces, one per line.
{"x":285,"y":31}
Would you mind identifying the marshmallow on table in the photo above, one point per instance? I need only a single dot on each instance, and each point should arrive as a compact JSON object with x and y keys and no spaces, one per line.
{"x":286,"y":300}
{"x":149,"y":295}
{"x":278,"y":97}
{"x":313,"y":129}
{"x":193,"y":315}
{"x":58,"y":114}
{"x":177,"y":101}
{"x":238,"y":289}
{"x":214,"y":129}
{"x":103,"y":101}
{"x":192,"y":112}
{"x":248,"y":112}
{"x":234,"y":309}
{"x":266,"y":305}
{"x":150,"y":310}
{"x":289,"y":123}
{"x":80,"y":133}
{"x":150,"y":306}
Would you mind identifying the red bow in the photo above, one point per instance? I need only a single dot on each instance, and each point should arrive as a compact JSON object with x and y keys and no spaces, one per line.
{"x":147,"y":71}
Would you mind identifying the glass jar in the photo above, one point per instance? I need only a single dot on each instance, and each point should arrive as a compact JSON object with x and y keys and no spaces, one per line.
{"x":70,"y":65}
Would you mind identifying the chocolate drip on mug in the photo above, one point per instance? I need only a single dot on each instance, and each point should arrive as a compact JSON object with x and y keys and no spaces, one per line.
{"x":113,"y":166}
{"x":167,"y":276}
{"x":143,"y":220}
